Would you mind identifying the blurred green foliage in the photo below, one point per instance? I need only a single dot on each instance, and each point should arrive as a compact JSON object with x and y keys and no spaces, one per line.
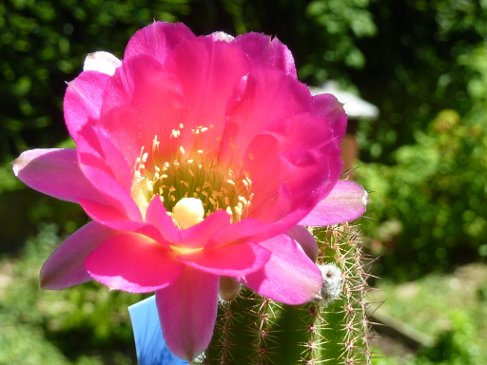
{"x":426,"y":156}
{"x":43,"y":45}
{"x":417,"y":64}
{"x":89,"y":324}
{"x":448,"y":307}
{"x":455,"y":346}
{"x":428,"y":208}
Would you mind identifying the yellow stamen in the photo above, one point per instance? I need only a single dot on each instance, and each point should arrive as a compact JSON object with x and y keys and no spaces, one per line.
{"x":192,"y":173}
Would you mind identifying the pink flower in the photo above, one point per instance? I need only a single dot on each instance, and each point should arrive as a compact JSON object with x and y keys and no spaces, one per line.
{"x":195,"y":156}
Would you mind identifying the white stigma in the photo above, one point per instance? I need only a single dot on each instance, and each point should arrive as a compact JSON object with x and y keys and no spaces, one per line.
{"x":187,"y":212}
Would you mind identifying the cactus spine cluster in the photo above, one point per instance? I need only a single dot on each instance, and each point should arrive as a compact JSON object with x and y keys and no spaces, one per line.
{"x":252,"y":330}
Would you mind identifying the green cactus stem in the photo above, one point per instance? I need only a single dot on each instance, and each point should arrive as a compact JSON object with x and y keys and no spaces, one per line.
{"x":252,"y":330}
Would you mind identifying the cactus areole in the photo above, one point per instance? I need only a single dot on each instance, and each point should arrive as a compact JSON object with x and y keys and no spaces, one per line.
{"x":195,"y":155}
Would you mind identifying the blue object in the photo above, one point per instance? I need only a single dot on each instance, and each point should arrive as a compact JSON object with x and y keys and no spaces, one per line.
{"x":149,"y":342}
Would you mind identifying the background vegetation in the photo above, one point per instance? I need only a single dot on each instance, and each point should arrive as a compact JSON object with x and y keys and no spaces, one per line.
{"x":424,"y":161}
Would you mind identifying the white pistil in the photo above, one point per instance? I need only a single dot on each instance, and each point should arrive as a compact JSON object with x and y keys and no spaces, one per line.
{"x":187,"y":212}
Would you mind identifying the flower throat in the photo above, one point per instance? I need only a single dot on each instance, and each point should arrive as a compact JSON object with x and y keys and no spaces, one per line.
{"x":190,"y":174}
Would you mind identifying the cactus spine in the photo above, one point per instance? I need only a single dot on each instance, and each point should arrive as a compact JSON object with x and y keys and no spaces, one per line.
{"x":252,"y":330}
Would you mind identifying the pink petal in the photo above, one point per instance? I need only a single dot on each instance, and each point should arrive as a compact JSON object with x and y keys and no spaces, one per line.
{"x":199,"y":235}
{"x":237,"y":259}
{"x":54,"y":172}
{"x":305,"y":148}
{"x":294,"y":171}
{"x":331,"y":111}
{"x":133,"y":263}
{"x":268,"y":96}
{"x":156,"y":215}
{"x":289,"y":276}
{"x":268,"y":51}
{"x":187,"y":311}
{"x":83,"y":100}
{"x":208,"y":71}
{"x":311,"y":159}
{"x":110,"y":216}
{"x":221,"y":258}
{"x":65,"y":267}
{"x":253,"y":230}
{"x":263,"y":165}
{"x":157,"y":40}
{"x":132,"y":114}
{"x":346,"y":202}
{"x":306,"y":240}
{"x":202,"y":234}
{"x":248,"y":230}
{"x":96,"y":170}
{"x":96,"y":143}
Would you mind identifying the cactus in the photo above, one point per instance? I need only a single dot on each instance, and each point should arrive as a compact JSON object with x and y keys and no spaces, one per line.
{"x":252,"y":330}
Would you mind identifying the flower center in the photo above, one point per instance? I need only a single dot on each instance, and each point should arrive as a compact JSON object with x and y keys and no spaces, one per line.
{"x":191,"y":184}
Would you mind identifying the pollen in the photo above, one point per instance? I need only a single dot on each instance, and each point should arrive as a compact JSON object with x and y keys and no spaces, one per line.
{"x":189,"y":179}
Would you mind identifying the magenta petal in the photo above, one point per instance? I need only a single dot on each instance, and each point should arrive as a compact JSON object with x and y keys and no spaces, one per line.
{"x":203,"y":234}
{"x":65,"y":267}
{"x":157,"y":216}
{"x":118,"y":196}
{"x":109,"y":155}
{"x":157,"y":40}
{"x":250,"y":230}
{"x":312,"y":158}
{"x":83,"y":100}
{"x":330,"y":109}
{"x":133,"y":263}
{"x":208,"y":72}
{"x":54,"y":172}
{"x":238,"y":259}
{"x":199,"y":235}
{"x":269,"y":96}
{"x":263,"y":164}
{"x":289,"y":276}
{"x":109,"y":216}
{"x":187,"y":311}
{"x":131,"y":113}
{"x":346,"y":202}
{"x":306,"y":240}
{"x":264,"y":50}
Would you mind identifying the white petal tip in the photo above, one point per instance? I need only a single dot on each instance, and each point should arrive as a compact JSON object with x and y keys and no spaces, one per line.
{"x":365,"y":198}
{"x":101,"y":61}
{"x":17,"y":165}
{"x":221,"y":36}
{"x":27,"y":156}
